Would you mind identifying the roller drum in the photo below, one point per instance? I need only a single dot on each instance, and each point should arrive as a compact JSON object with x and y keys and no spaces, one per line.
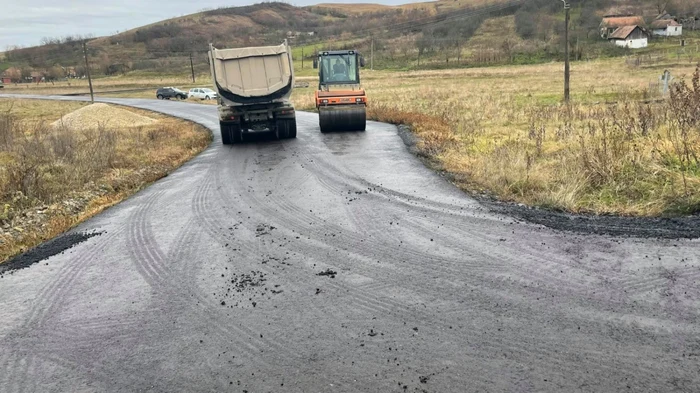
{"x":342,"y":118}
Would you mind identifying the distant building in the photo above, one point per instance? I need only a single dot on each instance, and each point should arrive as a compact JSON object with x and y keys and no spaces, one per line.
{"x":611,"y":23}
{"x":296,"y":34}
{"x":666,"y":28}
{"x":11,"y":75}
{"x":70,"y":72}
{"x":633,"y":37}
{"x":36,"y":77}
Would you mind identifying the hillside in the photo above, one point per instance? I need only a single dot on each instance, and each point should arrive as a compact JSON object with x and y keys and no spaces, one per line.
{"x":167,"y":45}
{"x":416,"y":35}
{"x":432,"y":7}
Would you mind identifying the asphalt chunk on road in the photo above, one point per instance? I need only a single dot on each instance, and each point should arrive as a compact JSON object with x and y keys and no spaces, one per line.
{"x":328,"y":272}
{"x":45,"y":250}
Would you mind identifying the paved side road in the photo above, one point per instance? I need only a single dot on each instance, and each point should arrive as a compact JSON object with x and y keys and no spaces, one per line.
{"x":339,"y":263}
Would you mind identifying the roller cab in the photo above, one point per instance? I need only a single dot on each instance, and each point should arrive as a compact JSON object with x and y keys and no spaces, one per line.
{"x":340,"y":100}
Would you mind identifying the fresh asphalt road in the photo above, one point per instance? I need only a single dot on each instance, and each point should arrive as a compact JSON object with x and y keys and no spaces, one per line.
{"x":208,"y":280}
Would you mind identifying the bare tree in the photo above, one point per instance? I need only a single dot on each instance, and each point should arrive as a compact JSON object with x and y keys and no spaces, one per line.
{"x":508,"y":47}
{"x":661,"y":5}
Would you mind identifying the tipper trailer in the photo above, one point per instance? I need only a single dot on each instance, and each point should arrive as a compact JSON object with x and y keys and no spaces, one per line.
{"x":254,"y":86}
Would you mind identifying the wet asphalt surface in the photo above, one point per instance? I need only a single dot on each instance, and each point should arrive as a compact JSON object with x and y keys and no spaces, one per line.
{"x":340,"y":263}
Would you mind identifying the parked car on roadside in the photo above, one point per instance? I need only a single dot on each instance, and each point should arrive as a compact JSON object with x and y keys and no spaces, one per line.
{"x":202,"y":93}
{"x":166,"y":93}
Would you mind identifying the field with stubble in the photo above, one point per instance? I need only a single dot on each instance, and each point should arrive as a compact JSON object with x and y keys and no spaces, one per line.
{"x":56,"y":173}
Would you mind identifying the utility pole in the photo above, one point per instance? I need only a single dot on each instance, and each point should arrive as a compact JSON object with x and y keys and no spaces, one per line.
{"x":192,"y":67}
{"x":567,"y":65}
{"x":87,"y":70}
{"x":371,"y":56}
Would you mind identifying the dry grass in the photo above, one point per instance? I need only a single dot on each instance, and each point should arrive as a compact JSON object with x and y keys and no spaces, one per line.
{"x":502,"y":130}
{"x":51,"y":178}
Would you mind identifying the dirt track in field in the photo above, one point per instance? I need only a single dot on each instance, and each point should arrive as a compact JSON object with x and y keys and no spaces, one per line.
{"x":338,"y":262}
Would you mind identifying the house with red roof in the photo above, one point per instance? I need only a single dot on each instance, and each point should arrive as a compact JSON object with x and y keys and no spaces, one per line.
{"x":611,"y":23}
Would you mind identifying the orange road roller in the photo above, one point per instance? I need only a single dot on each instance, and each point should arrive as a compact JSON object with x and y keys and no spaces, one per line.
{"x":340,"y":100}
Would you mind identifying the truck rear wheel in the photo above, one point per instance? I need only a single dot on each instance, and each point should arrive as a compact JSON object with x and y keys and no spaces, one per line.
{"x":225,"y":134}
{"x":236,"y":133}
{"x":281,"y":129}
{"x":230,"y":133}
{"x":292,"y":127}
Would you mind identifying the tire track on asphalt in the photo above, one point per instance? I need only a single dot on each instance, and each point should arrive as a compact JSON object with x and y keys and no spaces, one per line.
{"x":529,"y":267}
{"x":59,"y":289}
{"x":48,"y":299}
{"x":300,"y":220}
{"x":543,"y":269}
{"x":151,"y":265}
{"x":658,"y":277}
{"x":150,"y":262}
{"x":104,"y":373}
{"x":371,"y":303}
{"x":300,"y":226}
{"x":210,"y":224}
{"x":376,"y":304}
{"x":142,"y":247}
{"x":438,"y":209}
{"x":257,"y":209}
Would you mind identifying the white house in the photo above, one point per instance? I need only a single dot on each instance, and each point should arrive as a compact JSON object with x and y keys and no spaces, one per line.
{"x":633,"y":37}
{"x":666,"y":28}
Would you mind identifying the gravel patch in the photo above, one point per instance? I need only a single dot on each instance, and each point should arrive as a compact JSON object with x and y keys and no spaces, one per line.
{"x":102,"y":115}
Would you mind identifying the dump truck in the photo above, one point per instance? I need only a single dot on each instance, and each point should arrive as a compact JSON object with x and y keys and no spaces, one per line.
{"x":340,"y":100}
{"x":254,"y":86}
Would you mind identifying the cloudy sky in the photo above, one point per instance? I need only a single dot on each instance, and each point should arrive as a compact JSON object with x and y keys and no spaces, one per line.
{"x":27,"y":23}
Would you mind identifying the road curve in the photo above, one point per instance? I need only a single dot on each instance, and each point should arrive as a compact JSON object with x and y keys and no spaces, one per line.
{"x":339,"y":263}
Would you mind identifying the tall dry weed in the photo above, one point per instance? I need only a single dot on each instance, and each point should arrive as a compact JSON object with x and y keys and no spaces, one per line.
{"x":45,"y":162}
{"x":684,"y":130}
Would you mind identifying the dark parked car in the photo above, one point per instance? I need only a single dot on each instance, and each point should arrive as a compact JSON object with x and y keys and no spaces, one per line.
{"x":166,"y":93}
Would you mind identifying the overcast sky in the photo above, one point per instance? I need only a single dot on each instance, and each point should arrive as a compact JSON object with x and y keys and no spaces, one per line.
{"x":27,"y":23}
